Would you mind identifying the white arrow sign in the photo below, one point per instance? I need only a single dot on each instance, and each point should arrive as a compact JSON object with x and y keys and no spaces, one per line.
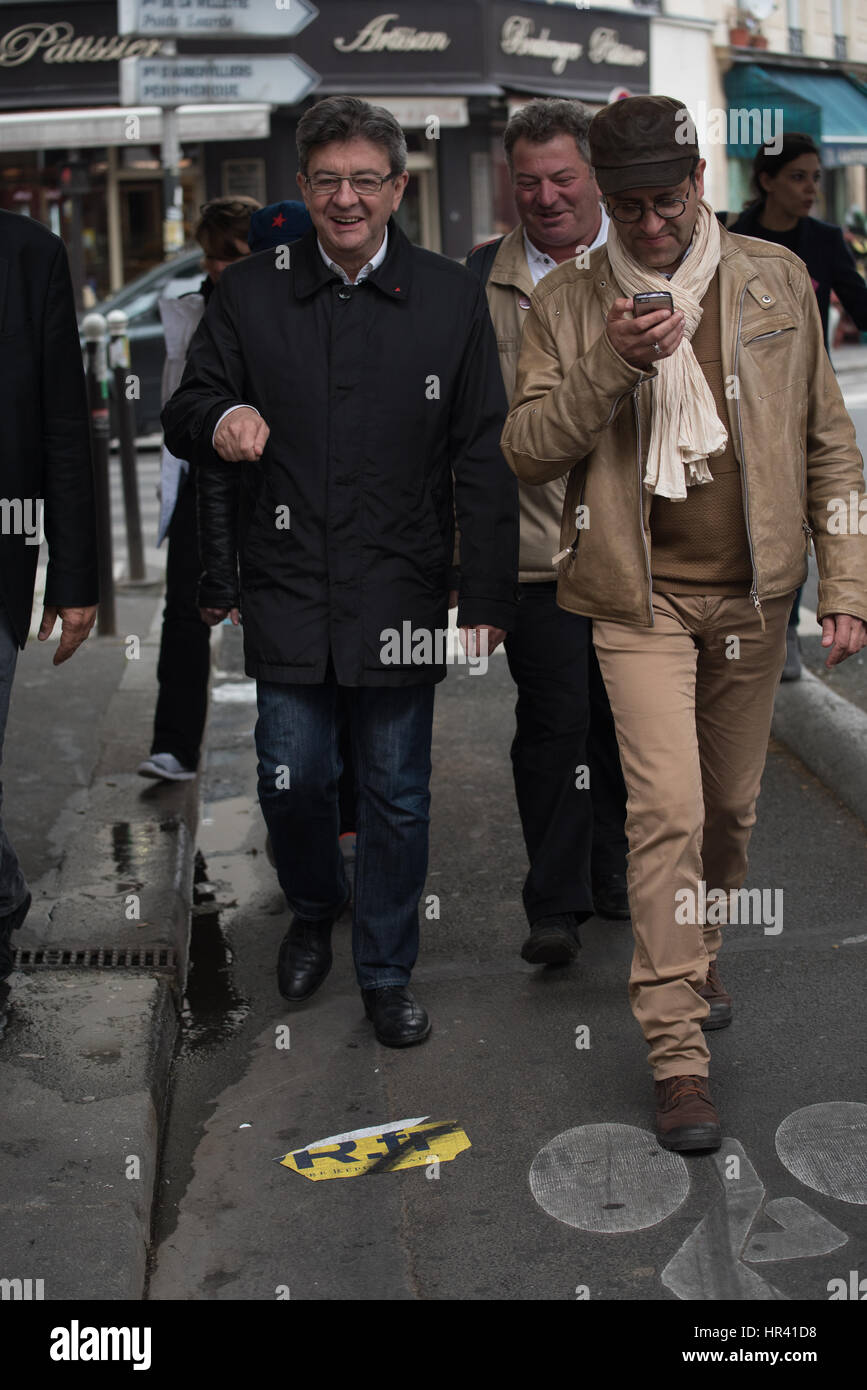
{"x":193,"y":79}
{"x":215,"y":18}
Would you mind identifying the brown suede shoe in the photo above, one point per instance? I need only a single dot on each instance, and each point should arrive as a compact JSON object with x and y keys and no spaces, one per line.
{"x":712,"y":990}
{"x":686,"y":1118}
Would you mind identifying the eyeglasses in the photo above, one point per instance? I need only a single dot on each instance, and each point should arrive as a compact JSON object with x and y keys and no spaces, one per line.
{"x":666,"y":208}
{"x":359,"y":183}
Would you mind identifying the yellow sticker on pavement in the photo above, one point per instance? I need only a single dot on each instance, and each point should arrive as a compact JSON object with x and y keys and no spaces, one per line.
{"x":350,"y":1156}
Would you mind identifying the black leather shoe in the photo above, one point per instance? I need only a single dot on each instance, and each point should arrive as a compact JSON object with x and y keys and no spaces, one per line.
{"x":305,"y":957}
{"x":8,"y":924}
{"x":610,"y":897}
{"x":398,"y":1021}
{"x":552,"y":940}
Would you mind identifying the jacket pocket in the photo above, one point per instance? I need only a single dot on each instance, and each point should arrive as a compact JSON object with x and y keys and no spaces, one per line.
{"x":772,"y":353}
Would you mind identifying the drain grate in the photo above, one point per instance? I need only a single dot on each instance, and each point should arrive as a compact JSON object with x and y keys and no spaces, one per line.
{"x":119,"y":958}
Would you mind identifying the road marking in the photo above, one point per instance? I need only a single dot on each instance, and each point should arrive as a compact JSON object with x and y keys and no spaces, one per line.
{"x":708,"y":1265}
{"x":805,"y":1233}
{"x":608,"y":1178}
{"x":825,"y":1148}
{"x":409,"y":1146}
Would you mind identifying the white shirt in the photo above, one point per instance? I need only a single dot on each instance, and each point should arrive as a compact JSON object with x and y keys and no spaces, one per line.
{"x":541,"y":265}
{"x":373,"y":264}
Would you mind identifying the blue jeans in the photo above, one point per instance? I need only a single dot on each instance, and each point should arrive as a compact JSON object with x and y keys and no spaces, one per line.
{"x":297,"y":740}
{"x":13,"y":888}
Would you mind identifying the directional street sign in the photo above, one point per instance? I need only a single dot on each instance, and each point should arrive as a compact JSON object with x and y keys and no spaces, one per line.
{"x":215,"y":19}
{"x":192,"y":79}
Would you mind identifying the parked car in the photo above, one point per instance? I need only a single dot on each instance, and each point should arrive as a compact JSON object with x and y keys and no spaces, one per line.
{"x":139,"y":300}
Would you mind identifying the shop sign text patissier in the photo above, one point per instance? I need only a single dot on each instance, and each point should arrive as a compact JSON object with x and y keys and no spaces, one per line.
{"x":518,"y":39}
{"x":56,"y":44}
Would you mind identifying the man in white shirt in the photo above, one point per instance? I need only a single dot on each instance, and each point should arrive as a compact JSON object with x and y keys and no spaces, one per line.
{"x":569,"y":787}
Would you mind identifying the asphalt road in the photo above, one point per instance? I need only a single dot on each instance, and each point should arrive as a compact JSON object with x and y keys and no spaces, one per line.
{"x":551,"y":1201}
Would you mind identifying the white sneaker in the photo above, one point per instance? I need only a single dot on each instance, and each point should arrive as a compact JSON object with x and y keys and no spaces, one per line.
{"x":166,"y":766}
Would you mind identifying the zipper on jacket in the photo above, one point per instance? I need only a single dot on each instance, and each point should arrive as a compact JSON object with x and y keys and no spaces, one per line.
{"x":754,"y":591}
{"x":571,"y":549}
{"x":617,"y":401}
{"x":808,"y":530}
{"x":637,"y":414}
{"x":774,"y":333}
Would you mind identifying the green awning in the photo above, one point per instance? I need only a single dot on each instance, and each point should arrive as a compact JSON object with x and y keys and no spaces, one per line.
{"x":830,"y":107}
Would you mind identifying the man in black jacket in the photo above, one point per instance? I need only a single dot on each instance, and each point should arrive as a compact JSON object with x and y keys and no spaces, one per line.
{"x":333,"y":391}
{"x":47,"y":482}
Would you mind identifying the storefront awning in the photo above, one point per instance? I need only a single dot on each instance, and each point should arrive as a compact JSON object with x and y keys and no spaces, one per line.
{"x":830,"y":107}
{"x":109,"y":125}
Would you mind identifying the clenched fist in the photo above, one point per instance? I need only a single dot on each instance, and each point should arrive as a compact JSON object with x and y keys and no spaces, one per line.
{"x":241,"y":436}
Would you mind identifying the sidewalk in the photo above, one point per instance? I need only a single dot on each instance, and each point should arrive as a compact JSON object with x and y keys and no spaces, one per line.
{"x":85,"y":1061}
{"x":849,"y":359}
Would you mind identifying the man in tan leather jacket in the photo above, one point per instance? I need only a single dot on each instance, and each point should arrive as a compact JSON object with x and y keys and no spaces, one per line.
{"x":568,"y":783}
{"x":688,"y":568}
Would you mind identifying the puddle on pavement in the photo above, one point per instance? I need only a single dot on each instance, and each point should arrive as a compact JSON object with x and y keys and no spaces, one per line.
{"x":213,"y":1009}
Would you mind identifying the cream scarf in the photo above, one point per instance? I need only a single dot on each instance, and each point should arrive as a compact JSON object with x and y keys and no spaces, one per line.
{"x":685,"y":427}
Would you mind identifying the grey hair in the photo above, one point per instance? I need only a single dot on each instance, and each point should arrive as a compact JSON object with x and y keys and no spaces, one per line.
{"x":546,"y":117}
{"x":346,"y":118}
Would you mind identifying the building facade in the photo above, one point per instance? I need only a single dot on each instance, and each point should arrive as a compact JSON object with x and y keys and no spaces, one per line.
{"x":452,"y":72}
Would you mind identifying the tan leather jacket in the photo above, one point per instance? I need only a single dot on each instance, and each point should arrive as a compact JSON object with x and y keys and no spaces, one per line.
{"x":580,"y":410}
{"x":510,"y":282}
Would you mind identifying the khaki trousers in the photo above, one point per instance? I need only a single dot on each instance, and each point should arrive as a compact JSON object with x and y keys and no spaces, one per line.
{"x":692,"y":699}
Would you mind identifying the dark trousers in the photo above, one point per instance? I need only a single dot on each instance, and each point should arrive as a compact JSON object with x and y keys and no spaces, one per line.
{"x":185,"y":645}
{"x":573,"y":833}
{"x":298,"y":743}
{"x":346,"y":789}
{"x":13,"y":888}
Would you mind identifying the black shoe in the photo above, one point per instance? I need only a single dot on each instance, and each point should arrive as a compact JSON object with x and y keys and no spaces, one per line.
{"x":398,"y":1021}
{"x":4,"y":1006}
{"x":305,"y":957}
{"x":8,"y":924}
{"x":552,"y":940}
{"x":610,"y":897}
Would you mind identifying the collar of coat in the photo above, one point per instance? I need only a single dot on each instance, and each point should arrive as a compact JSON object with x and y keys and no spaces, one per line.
{"x":510,"y":266}
{"x":392,"y":278}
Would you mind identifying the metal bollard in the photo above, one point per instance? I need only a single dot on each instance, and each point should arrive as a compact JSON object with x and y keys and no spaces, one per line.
{"x":119,"y":362}
{"x":93,"y":328}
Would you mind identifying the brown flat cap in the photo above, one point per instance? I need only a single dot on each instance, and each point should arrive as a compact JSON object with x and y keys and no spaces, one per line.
{"x":642,"y":142}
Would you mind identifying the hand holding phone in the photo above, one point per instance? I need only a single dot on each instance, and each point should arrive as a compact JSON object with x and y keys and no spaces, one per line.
{"x":645,"y":329}
{"x":649,"y":300}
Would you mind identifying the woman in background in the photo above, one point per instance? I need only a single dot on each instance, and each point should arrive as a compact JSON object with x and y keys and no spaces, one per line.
{"x":786,"y":185}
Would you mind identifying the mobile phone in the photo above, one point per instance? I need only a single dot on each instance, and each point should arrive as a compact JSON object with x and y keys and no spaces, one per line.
{"x":651,"y":300}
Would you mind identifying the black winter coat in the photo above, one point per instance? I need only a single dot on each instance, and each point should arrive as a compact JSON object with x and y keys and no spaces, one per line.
{"x":822,"y":248}
{"x":375,"y":395}
{"x":45,"y":439}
